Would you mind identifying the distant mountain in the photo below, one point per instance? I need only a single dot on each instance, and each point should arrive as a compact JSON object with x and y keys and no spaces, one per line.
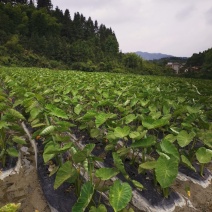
{"x":152,"y":56}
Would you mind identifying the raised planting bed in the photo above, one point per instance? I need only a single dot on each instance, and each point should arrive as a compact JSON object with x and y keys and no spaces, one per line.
{"x":135,"y":137}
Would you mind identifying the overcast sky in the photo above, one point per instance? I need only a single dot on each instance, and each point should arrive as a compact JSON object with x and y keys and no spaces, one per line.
{"x":176,"y":27}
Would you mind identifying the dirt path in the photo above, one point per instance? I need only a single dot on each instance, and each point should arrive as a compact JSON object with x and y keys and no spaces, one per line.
{"x":201,"y":198}
{"x":24,"y":188}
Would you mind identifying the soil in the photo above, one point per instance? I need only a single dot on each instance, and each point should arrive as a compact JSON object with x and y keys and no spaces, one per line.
{"x":24,"y":188}
{"x":201,"y":198}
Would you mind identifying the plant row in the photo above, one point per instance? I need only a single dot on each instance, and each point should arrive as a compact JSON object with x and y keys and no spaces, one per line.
{"x":156,"y":123}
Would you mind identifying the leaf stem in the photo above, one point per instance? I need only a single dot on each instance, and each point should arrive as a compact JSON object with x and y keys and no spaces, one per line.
{"x":143,"y":155}
{"x":201,"y":169}
{"x":166,"y":192}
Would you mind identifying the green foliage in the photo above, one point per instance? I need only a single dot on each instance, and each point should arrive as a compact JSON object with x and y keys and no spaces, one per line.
{"x":65,"y":172}
{"x":85,"y":197}
{"x":145,"y":142}
{"x":11,"y":207}
{"x":184,"y":138}
{"x":48,"y":38}
{"x":120,"y":194}
{"x":166,"y":171}
{"x":147,"y":165}
{"x":186,"y":161}
{"x":204,"y":155}
{"x":100,"y":208}
{"x":199,"y":65}
{"x":121,"y":132}
{"x":160,"y":121}
{"x":119,"y":164}
{"x":133,"y":61}
{"x":106,"y":173}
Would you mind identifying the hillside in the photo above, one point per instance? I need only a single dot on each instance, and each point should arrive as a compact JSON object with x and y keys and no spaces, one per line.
{"x":199,"y":65}
{"x":38,"y":35}
{"x":152,"y":56}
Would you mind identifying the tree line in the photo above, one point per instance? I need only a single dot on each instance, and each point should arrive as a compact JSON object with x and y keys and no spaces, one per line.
{"x":199,"y":65}
{"x":38,"y":35}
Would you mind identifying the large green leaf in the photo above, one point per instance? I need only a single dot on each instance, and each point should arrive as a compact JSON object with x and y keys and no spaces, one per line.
{"x":129,"y":118}
{"x":48,"y":130}
{"x":12,"y":152}
{"x":166,"y":171}
{"x":50,"y":150}
{"x":65,"y":147}
{"x":155,"y":115}
{"x":170,"y":137}
{"x":3,"y":106}
{"x":123,"y":151}
{"x":186,"y":161}
{"x":119,"y":164}
{"x":64,"y":173}
{"x":121,"y":132}
{"x":101,"y":118}
{"x":206,"y":137}
{"x":15,"y":114}
{"x":147,"y":165}
{"x":134,"y":102}
{"x":34,"y":113}
{"x":86,"y":194}
{"x":137,"y":135}
{"x":19,"y":140}
{"x":145,"y":142}
{"x":106,"y":173}
{"x":185,"y":138}
{"x":79,"y":156}
{"x":89,"y":148}
{"x":94,"y":133}
{"x":193,"y":109}
{"x":89,"y":115}
{"x":170,"y":149}
{"x":3,"y":124}
{"x":120,"y":195}
{"x":204,"y":155}
{"x":78,"y":108}
{"x":55,"y":111}
{"x":150,"y":123}
{"x":137,"y":184}
{"x":166,"y":109}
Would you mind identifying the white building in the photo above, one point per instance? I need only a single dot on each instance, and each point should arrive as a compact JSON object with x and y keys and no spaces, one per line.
{"x":175,"y":66}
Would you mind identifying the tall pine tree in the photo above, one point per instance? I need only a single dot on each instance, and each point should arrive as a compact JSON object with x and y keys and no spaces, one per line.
{"x":44,"y":4}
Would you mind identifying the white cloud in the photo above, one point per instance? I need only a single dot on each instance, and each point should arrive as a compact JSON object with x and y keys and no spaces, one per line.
{"x":209,"y":16}
{"x":177,"y":27}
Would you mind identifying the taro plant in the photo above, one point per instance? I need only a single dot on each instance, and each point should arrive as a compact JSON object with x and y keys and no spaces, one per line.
{"x":143,"y":144}
{"x":165,"y":121}
{"x":203,"y":156}
{"x":10,"y":129}
{"x":120,"y":195}
{"x":165,"y":168}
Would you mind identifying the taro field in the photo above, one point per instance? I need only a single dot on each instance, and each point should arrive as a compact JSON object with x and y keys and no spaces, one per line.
{"x":119,"y":141}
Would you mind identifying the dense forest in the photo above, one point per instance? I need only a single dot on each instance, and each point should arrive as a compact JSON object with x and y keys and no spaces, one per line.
{"x":38,"y":35}
{"x":200,"y":65}
{"x":34,"y":34}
